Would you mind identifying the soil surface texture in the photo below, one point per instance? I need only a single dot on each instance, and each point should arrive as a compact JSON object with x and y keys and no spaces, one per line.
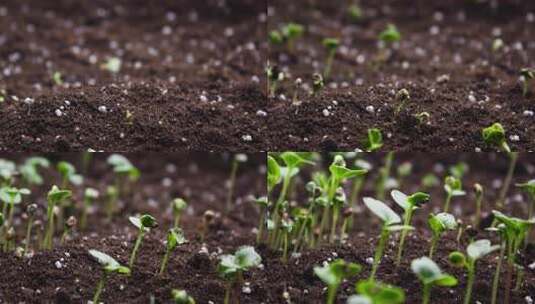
{"x":189,"y":76}
{"x":445,"y":59}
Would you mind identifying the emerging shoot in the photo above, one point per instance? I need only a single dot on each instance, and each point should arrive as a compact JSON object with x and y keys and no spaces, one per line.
{"x":143,"y":224}
{"x":374,"y":140}
{"x":231,"y":267}
{"x":175,"y":237}
{"x":331,"y":44}
{"x":109,"y":266}
{"x":334,"y":273}
{"x":526,"y":76}
{"x":430,"y":275}
{"x":439,"y":224}
{"x":178,"y":205}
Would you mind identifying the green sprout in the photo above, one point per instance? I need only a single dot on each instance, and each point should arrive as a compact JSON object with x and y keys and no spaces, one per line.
{"x":286,"y":227}
{"x":178,"y":205}
{"x":373,"y":292}
{"x":475,"y":251}
{"x":31,"y":209}
{"x":402,"y":96}
{"x":175,"y":237}
{"x":55,"y":197}
{"x":238,"y":158}
{"x":69,"y":175}
{"x":334,"y":273}
{"x":494,"y":135}
{"x":526,"y":76}
{"x":181,"y":297}
{"x":430,"y":181}
{"x":390,"y":223}
{"x":390,"y":34}
{"x":113,"y":65}
{"x":109,"y":266}
{"x":143,"y":224}
{"x":514,"y":232}
{"x":7,"y":171}
{"x":430,"y":274}
{"x":125,"y":172}
{"x":459,"y":170}
{"x":497,"y":44}
{"x":529,"y":188}
{"x":57,"y":78}
{"x":70,"y":223}
{"x":111,"y":200}
{"x":501,"y":230}
{"x":317,"y":83}
{"x":275,"y":37}
{"x":273,"y":173}
{"x":440,"y":223}
{"x":374,"y":141}
{"x":262,"y":203}
{"x":403,"y":170}
{"x":409,"y":203}
{"x":478,"y":189}
{"x":453,"y":188}
{"x":331,"y":44}
{"x":2,"y":95}
{"x":11,"y":196}
{"x":30,"y":170}
{"x":384,"y":174}
{"x":274,"y":77}
{"x":355,"y":12}
{"x":90,"y":194}
{"x":290,"y":33}
{"x":231,"y":267}
{"x":423,"y":117}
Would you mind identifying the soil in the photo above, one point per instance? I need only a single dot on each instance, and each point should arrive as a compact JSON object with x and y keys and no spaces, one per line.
{"x":191,"y":75}
{"x":199,"y":178}
{"x":301,"y":285}
{"x":451,"y":38}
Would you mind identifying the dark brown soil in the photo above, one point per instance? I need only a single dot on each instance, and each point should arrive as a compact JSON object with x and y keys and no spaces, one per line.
{"x":483,"y":86}
{"x":200,"y":178}
{"x":191,"y":75}
{"x":297,"y":277}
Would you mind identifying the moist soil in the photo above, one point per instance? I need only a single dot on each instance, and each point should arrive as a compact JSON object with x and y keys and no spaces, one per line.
{"x":444,"y":60}
{"x":190,"y":79}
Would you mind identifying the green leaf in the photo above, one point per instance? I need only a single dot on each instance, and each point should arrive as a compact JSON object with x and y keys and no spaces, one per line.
{"x":294,"y":160}
{"x":274,"y":172}
{"x":409,"y":202}
{"x":441,"y":222}
{"x":374,"y":140}
{"x":148,"y":221}
{"x":494,"y":135}
{"x":181,"y":297}
{"x":390,"y":34}
{"x":109,"y":264}
{"x":56,"y":195}
{"x":480,"y":248}
{"x":333,"y":273}
{"x":399,"y":227}
{"x":91,"y":193}
{"x":380,"y":293}
{"x":246,"y":257}
{"x":331,"y":44}
{"x":122,"y":165}
{"x":380,"y":209}
{"x":457,"y":259}
{"x":175,"y":237}
{"x":7,"y":169}
{"x":179,"y":204}
{"x":429,"y":273}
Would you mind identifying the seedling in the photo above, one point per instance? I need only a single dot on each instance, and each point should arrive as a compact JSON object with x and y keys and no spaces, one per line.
{"x":70,"y":223}
{"x":290,"y":33}
{"x":373,"y":292}
{"x":112,"y":65}
{"x":109,"y":266}
{"x":390,"y":34}
{"x":409,"y":203}
{"x":494,"y":135}
{"x":238,"y":158}
{"x":384,"y":174}
{"x":207,"y":219}
{"x":178,"y":205}
{"x":475,"y":251}
{"x":112,"y":195}
{"x":390,"y":223}
{"x":262,"y":203}
{"x":334,"y":273}
{"x":430,"y":181}
{"x":231,"y":267}
{"x":331,"y":44}
{"x":501,"y":230}
{"x":181,"y":297}
{"x":31,"y":209}
{"x":453,"y":188}
{"x":125,"y":172}
{"x":273,"y":173}
{"x":90,"y":194}
{"x":297,"y":84}
{"x":30,"y":170}
{"x":175,"y":237}
{"x":478,"y":189}
{"x":11,"y":196}
{"x":57,"y":78}
{"x":7,"y":171}
{"x":439,"y":224}
{"x":274,"y":77}
{"x":529,"y":187}
{"x":402,"y":97}
{"x":430,"y":275}
{"x":374,"y":141}
{"x":68,"y":175}
{"x":55,"y":197}
{"x":515,"y":232}
{"x":403,"y":170}
{"x":286,"y":227}
{"x":423,"y":117}
{"x":275,"y":37}
{"x":526,"y":76}
{"x":143,"y":224}
{"x":317,"y":83}
{"x":355,"y":12}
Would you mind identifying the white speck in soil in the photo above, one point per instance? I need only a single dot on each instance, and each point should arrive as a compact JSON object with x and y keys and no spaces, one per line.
{"x":261,"y":113}
{"x":369,"y":260}
{"x":370,"y":109}
{"x":58,"y":264}
{"x":514,"y":137}
{"x":247,"y":138}
{"x":58,"y":112}
{"x":102,"y":109}
{"x":527,"y":113}
{"x":326,"y":112}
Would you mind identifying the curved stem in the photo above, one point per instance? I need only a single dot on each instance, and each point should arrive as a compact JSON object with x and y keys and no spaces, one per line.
{"x":379,"y":252}
{"x":426,"y":294}
{"x":164,"y":262}
{"x":28,"y":234}
{"x":404,"y":233}
{"x":496,"y":279}
{"x":433,"y":245}
{"x":136,"y":247}
{"x":100,"y":286}
{"x":331,"y":294}
{"x":470,"y":282}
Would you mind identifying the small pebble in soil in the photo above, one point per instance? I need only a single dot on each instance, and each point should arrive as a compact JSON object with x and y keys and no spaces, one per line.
{"x":29,"y":101}
{"x":246,"y":288}
{"x":102,"y":109}
{"x":514,"y":137}
{"x":532,"y":266}
{"x":58,"y":265}
{"x":369,"y":260}
{"x":261,"y":113}
{"x":370,"y":109}
{"x":529,"y":299}
{"x":247,"y":138}
{"x":58,"y":112}
{"x":528,"y":113}
{"x":326,"y":112}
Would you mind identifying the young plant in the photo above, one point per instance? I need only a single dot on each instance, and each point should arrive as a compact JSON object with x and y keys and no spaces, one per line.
{"x":238,"y":158}
{"x":262,"y":203}
{"x":113,"y":65}
{"x":515,"y":232}
{"x":478,"y":189}
{"x":453,"y":188}
{"x":402,"y":97}
{"x":109,"y":266}
{"x":286,"y":227}
{"x":529,"y":188}
{"x":390,"y":223}
{"x":409,"y":203}
{"x":355,"y":12}
{"x":125,"y":172}
{"x":290,"y":33}
{"x":273,"y":173}
{"x":440,"y":223}
{"x":143,"y":224}
{"x":30,"y":170}
{"x":231,"y":267}
{"x":68,"y":175}
{"x":31,"y":209}
{"x":317,"y":83}
{"x":475,"y":251}
{"x":11,"y":196}
{"x":90,"y":194}
{"x":526,"y":76}
{"x":387,"y":38}
{"x":374,"y":141}
{"x":430,"y":275}
{"x":384,"y":175}
{"x":112,"y":194}
{"x":57,"y":78}
{"x":55,"y":197}
{"x":70,"y":223}
{"x":331,"y":44}
{"x":175,"y":237}
{"x":178,"y":205}
{"x":180,"y":296}
{"x":501,"y":230}
{"x":403,"y":170}
{"x":274,"y":77}
{"x":334,"y":273}
{"x":8,"y":169}
{"x":373,"y":292}
{"x":207,"y":219}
